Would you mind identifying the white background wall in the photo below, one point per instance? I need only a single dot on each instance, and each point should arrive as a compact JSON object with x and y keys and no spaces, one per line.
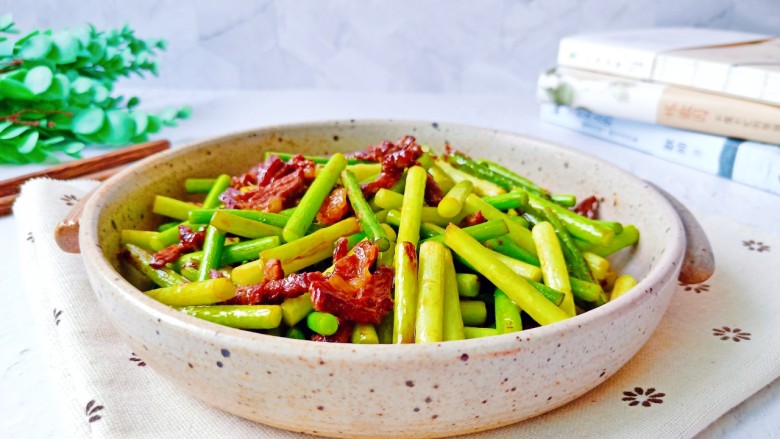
{"x":434,"y":46}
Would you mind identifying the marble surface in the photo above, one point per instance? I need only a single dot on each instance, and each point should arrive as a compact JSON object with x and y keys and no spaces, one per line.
{"x":435,"y":46}
{"x":28,"y":395}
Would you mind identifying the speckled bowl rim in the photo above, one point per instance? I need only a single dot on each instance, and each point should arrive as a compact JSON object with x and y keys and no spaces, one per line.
{"x":667,"y":265}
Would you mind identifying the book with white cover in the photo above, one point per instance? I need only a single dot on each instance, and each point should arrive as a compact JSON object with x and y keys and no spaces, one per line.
{"x":741,"y":64}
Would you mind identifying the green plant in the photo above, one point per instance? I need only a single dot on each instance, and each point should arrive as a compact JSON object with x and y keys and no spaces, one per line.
{"x":56,"y":91}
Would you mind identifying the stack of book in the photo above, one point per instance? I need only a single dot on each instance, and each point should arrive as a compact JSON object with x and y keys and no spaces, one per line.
{"x":707,"y":99}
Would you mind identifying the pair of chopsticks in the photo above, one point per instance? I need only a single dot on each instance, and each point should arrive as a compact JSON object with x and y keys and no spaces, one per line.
{"x":96,"y":168}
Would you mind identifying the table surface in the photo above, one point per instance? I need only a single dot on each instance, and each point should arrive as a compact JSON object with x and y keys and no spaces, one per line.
{"x":28,"y":399}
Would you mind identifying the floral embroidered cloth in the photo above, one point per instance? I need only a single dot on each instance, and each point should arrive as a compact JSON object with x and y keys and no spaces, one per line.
{"x":718,"y":344}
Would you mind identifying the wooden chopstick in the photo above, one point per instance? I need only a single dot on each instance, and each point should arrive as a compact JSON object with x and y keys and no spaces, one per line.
{"x":97,"y":168}
{"x":7,"y":202}
{"x":81,"y":168}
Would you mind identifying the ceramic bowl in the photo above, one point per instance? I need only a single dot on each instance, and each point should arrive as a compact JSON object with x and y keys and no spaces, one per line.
{"x":386,"y":390}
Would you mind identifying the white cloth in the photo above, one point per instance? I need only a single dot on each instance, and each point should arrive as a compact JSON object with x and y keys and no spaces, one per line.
{"x":718,"y":344}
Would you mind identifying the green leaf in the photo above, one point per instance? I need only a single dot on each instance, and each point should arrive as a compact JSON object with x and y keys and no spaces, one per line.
{"x":66,"y":47}
{"x":82,"y":91}
{"x":154,"y":124}
{"x":133,"y":102}
{"x":122,"y":127}
{"x":101,"y":93}
{"x":82,"y":35}
{"x":38,"y":155}
{"x":8,"y":154}
{"x":62,"y":122}
{"x":168,"y":117}
{"x":89,"y":121}
{"x":13,"y":131}
{"x":141,"y":122}
{"x":20,"y":42}
{"x":37,"y":47}
{"x":27,"y":142}
{"x":73,"y":147}
{"x":6,"y":48}
{"x":6,"y":22}
{"x":11,"y":88}
{"x":59,"y":90}
{"x":17,"y":75}
{"x":38,"y":79}
{"x":184,"y":112}
{"x":97,"y":48}
{"x":52,"y":140}
{"x":81,"y":85}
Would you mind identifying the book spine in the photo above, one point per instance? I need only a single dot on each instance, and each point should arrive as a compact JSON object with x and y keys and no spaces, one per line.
{"x":750,"y":163}
{"x":651,"y":102}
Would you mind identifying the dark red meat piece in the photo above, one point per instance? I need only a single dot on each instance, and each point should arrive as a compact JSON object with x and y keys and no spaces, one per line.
{"x":270,"y":186}
{"x":189,"y":241}
{"x":272,"y":270}
{"x":588,"y":207}
{"x":334,"y":208}
{"x":273,"y":197}
{"x":342,"y":335}
{"x":366,"y":303}
{"x":275,"y":291}
{"x":473,"y":219}
{"x":340,"y":250}
{"x":352,"y":292}
{"x":433,"y":193}
{"x":395,"y":158}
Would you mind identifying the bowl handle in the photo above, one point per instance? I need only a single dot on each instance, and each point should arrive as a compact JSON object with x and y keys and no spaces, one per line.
{"x":699,"y":260}
{"x":66,"y":234}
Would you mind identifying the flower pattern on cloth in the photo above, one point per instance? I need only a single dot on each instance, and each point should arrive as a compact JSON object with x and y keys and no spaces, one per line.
{"x":70,"y":199}
{"x":697,"y":288}
{"x":734,"y":334}
{"x":92,"y":410}
{"x":756,"y":246}
{"x":138,"y":361}
{"x":643,"y":397}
